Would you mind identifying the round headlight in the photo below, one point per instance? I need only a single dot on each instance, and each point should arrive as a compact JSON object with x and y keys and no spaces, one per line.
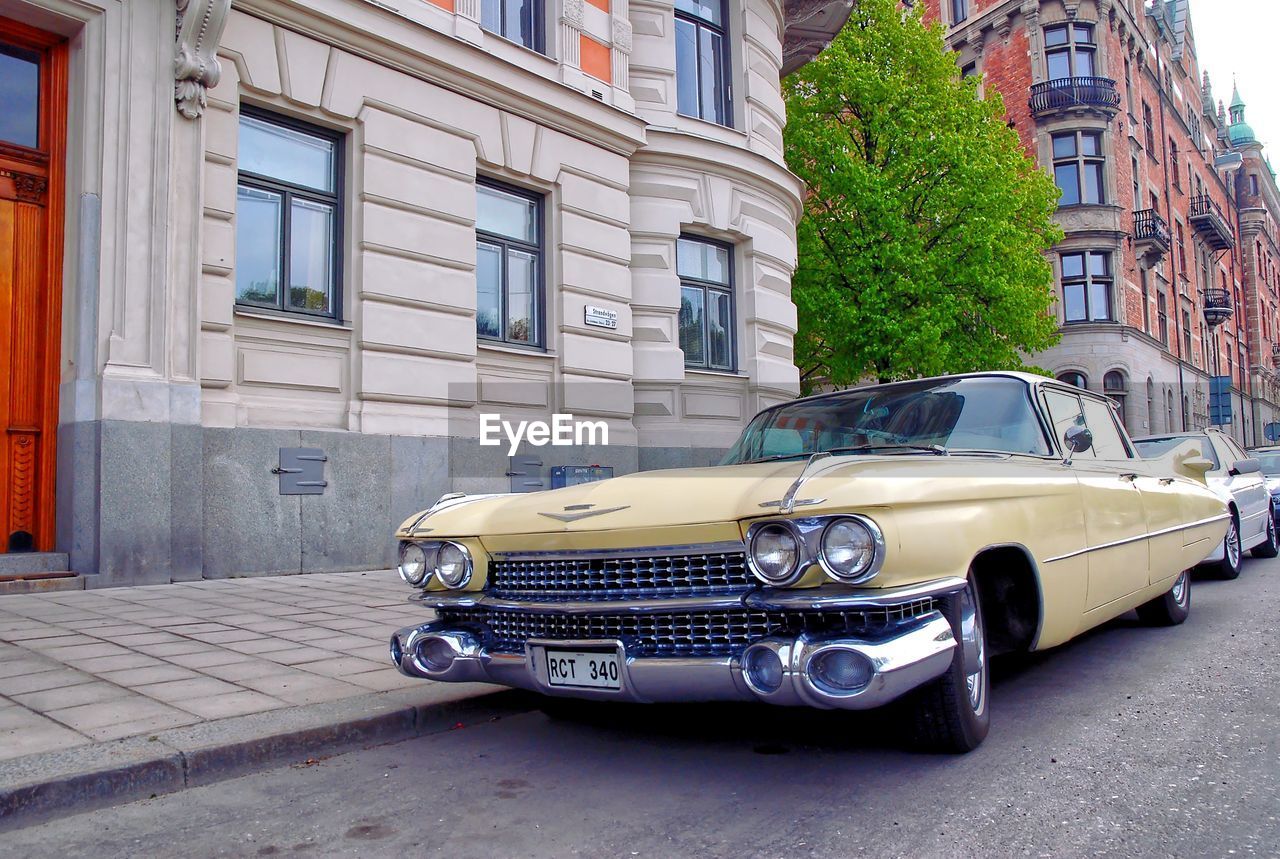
{"x":775,"y":552}
{"x":849,"y":549}
{"x":414,"y":564}
{"x":453,"y":565}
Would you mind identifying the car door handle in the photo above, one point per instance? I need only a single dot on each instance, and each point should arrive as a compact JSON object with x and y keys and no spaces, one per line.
{"x":1130,"y":477}
{"x":1166,"y":481}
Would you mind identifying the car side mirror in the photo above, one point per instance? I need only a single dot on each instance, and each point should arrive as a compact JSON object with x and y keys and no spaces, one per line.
{"x":1245,"y":466}
{"x":1078,"y":439}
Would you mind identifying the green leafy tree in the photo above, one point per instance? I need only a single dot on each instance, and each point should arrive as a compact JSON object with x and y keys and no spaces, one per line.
{"x":922,"y":247}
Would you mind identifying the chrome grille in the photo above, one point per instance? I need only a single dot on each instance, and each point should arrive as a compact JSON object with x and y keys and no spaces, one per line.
{"x":687,"y":633}
{"x":587,"y":576}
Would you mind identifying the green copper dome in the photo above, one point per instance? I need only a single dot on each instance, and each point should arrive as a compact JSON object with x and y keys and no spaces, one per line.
{"x":1239,"y":130}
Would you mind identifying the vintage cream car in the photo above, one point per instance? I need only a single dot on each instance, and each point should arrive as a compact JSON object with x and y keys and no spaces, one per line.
{"x":854,"y":549}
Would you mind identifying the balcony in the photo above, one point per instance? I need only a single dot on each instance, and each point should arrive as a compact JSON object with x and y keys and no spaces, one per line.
{"x":1211,"y":225}
{"x":1217,"y":306}
{"x":1066,"y":95}
{"x":1151,"y":237}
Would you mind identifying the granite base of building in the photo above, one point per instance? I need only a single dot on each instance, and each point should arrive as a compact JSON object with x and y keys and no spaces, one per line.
{"x":151,"y":503}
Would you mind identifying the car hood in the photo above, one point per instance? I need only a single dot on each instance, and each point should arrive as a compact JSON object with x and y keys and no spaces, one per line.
{"x":692,"y":496}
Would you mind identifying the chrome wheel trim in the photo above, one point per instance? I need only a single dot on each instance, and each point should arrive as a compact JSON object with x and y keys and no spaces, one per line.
{"x":1271,"y":529}
{"x":973,"y":649}
{"x":1233,"y":544}
{"x":1181,"y":589}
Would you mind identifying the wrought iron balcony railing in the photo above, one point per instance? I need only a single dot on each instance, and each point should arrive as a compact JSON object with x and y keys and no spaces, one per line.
{"x":1210,"y":223}
{"x":1217,"y":306}
{"x":1064,"y":94}
{"x":1149,"y":226}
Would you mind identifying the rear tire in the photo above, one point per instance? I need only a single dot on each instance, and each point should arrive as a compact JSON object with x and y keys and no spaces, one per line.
{"x":951,"y":714}
{"x":1269,"y":548}
{"x":1170,"y":608}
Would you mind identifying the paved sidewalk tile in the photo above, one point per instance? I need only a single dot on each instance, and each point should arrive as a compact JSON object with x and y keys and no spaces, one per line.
{"x":78,"y":667}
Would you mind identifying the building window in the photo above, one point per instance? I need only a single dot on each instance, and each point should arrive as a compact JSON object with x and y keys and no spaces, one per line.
{"x":1086,"y":287}
{"x":1186,"y":335}
{"x":702,"y":60}
{"x":1149,"y":127}
{"x":969,"y":70}
{"x":518,"y":21}
{"x":508,"y":265}
{"x":1145,"y":277}
{"x":706,"y":303}
{"x":1182,"y":249}
{"x":1077,"y":167}
{"x":1253,"y":184}
{"x":1173,"y":163}
{"x":1162,"y":318}
{"x":1070,"y":50}
{"x":959,"y":11}
{"x":20,"y":96}
{"x":1075,"y":379}
{"x":288,"y":216}
{"x":1128,"y":84}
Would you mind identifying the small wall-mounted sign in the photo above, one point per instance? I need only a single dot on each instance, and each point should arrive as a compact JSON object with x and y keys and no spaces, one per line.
{"x":600,"y":317}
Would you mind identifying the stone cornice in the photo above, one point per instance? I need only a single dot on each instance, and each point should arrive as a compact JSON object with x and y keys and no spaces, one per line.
{"x":808,"y":27}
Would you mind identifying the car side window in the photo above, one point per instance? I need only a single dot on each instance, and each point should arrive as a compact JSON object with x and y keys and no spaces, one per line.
{"x":1065,"y":412}
{"x":1107,"y":441}
{"x":1237,"y":452}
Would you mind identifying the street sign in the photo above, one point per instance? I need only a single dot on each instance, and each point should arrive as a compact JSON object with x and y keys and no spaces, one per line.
{"x":1271,"y":432}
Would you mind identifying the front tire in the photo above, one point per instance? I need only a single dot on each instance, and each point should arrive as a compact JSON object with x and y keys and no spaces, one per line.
{"x":951,"y":714}
{"x":1229,"y":567}
{"x":1171,"y":608}
{"x":1269,"y":548}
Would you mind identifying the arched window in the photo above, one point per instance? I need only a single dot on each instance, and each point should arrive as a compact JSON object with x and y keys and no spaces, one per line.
{"x":1151,"y":405}
{"x":1074,"y":378}
{"x":1186,"y":413}
{"x":1169,"y":416}
{"x":1115,"y":387}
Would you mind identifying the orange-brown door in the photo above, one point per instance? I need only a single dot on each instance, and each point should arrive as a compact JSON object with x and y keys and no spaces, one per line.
{"x":32,"y":130}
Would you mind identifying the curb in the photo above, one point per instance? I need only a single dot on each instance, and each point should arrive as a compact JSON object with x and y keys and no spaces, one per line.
{"x":40,"y":788}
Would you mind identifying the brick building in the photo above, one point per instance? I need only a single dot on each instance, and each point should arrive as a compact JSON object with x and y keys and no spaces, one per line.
{"x":1166,"y":276}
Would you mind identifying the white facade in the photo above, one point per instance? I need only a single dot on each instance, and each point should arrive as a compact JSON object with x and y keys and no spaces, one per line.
{"x":176,"y":399}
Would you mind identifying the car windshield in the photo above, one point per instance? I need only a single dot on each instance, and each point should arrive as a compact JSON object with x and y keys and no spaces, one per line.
{"x":978,"y":413}
{"x":1154,"y":448}
{"x":1270,"y":463}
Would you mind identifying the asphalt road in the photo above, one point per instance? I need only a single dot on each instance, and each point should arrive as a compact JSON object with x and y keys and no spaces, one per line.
{"x":1128,"y":742}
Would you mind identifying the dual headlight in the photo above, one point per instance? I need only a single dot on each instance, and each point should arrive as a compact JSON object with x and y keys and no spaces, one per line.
{"x":449,"y":562}
{"x":850,"y":549}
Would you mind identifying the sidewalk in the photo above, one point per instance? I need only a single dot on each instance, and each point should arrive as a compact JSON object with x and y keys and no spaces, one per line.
{"x":211,"y":664}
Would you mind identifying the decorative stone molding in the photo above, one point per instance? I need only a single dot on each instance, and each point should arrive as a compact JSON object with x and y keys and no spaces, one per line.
{"x":573,"y":13}
{"x":621,"y":34}
{"x":195,"y":64}
{"x":27,"y":187}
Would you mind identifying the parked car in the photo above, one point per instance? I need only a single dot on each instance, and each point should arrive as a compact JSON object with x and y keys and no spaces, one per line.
{"x":1269,"y":459}
{"x":1238,"y":480}
{"x":854,"y":549}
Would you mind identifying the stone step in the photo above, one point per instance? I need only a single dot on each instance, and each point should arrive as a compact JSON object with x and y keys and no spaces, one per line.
{"x":41,"y":583}
{"x":19,"y":563}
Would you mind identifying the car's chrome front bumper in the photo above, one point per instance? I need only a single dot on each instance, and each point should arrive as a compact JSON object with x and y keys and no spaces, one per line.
{"x":902,"y":656}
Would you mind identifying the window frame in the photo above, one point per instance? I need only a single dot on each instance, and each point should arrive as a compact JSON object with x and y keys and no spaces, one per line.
{"x":1086,"y":280}
{"x":539,"y":26}
{"x":1081,"y":161}
{"x":288,"y":191}
{"x":729,"y":289}
{"x":1071,"y":48}
{"x":722,"y":30}
{"x":507,"y":243}
{"x":959,"y":11}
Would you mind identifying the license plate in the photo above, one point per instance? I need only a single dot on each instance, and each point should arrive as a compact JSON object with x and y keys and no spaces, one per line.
{"x":576,"y":668}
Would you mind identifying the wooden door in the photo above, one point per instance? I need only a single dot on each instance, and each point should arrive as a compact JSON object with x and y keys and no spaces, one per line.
{"x":32,"y":132}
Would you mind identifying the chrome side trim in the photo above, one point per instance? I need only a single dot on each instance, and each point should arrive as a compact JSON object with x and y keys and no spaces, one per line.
{"x":629,"y":552}
{"x":835,"y":597}
{"x":659,"y":605}
{"x":1127,"y":540}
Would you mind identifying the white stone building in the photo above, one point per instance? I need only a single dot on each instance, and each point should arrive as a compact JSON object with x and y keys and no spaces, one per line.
{"x":356,"y":225}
